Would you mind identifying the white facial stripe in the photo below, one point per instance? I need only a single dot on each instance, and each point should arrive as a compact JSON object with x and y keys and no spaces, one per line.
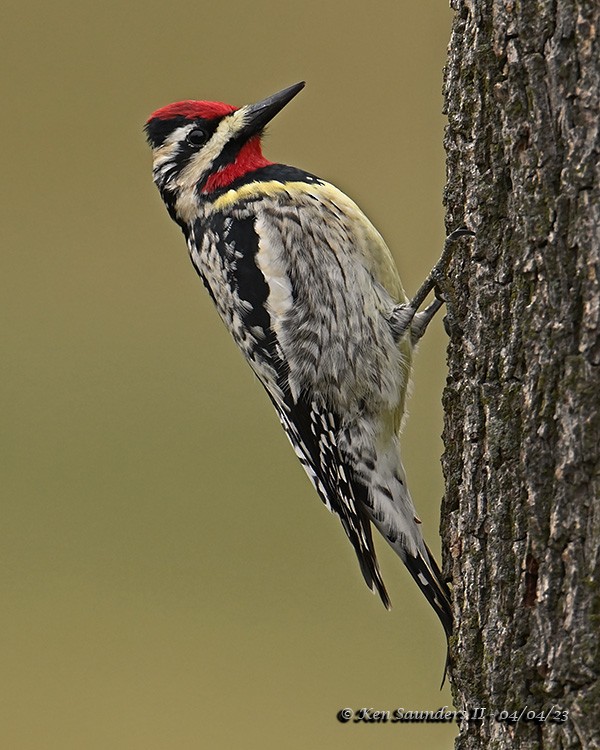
{"x":179,"y":134}
{"x":169,"y":147}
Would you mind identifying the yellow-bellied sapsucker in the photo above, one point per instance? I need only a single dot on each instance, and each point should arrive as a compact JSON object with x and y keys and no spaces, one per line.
{"x":309,"y":291}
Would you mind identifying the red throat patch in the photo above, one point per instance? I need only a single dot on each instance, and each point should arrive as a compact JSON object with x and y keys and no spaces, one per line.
{"x":248,"y":159}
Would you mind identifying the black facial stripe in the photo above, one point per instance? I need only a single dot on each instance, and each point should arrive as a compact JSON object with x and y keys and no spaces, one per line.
{"x":158,"y":130}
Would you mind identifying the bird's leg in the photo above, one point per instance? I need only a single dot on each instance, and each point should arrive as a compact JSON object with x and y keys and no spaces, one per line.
{"x":407,"y":315}
{"x":422,"y":319}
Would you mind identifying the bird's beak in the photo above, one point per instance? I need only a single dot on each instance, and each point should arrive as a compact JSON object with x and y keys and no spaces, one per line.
{"x":256,"y":116}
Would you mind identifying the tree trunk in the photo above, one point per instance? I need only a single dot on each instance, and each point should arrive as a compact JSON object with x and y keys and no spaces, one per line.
{"x":521,"y":517}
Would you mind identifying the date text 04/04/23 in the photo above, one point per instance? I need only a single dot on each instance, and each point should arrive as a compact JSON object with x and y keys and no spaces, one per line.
{"x":444,"y":715}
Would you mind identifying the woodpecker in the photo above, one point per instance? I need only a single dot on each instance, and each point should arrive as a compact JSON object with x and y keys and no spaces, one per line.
{"x":309,"y":291}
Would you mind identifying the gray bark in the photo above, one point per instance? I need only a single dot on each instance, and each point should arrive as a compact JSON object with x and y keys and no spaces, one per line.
{"x":521,"y":515}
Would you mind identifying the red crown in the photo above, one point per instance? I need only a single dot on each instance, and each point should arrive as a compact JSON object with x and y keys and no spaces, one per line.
{"x":192,"y":110}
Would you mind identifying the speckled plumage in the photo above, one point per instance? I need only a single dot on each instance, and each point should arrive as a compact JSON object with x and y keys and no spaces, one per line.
{"x":308,"y":290}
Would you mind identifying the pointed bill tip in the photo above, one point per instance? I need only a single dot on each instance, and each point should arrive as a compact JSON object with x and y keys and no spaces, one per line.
{"x":295,"y":88}
{"x":276,"y":102}
{"x":260,"y":114}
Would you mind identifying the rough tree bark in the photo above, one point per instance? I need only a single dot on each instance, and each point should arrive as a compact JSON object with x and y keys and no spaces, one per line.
{"x":521,"y":514}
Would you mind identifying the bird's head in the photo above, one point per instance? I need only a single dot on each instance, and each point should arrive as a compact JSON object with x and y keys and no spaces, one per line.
{"x":200,"y":146}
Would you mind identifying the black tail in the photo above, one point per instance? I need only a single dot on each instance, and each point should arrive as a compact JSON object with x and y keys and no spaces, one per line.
{"x":429,"y":579}
{"x":369,"y":566}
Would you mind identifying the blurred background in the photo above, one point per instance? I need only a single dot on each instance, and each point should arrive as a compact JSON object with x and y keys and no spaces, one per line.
{"x":169,"y":578}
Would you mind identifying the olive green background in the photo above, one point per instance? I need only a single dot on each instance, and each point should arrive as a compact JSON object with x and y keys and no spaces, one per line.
{"x":169,"y":578}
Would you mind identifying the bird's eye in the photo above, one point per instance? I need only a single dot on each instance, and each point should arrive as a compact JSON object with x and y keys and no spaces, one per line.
{"x":197,"y":137}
